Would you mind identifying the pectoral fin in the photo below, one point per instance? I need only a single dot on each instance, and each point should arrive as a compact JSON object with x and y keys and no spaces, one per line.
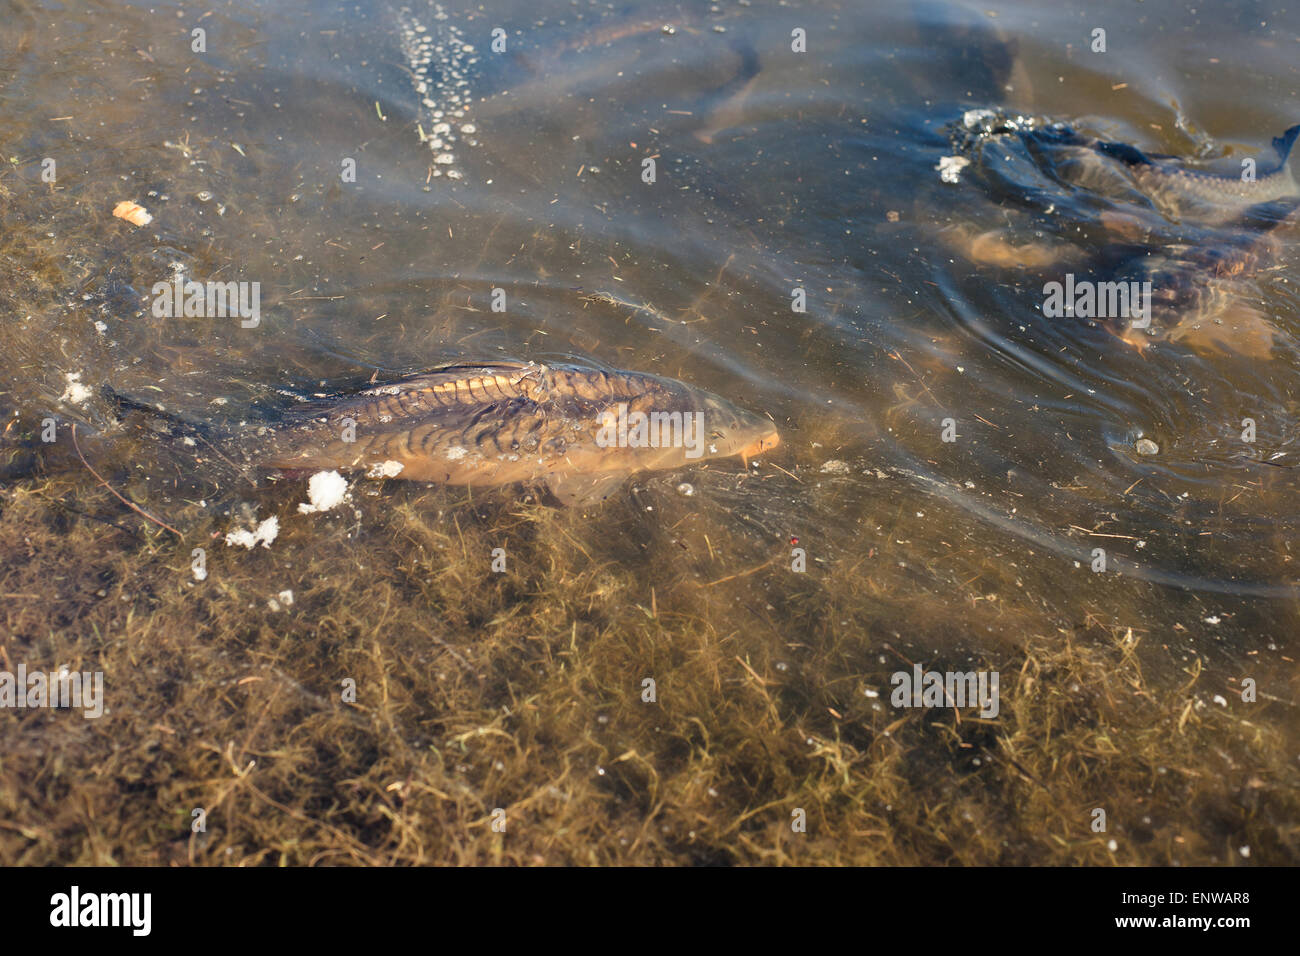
{"x":994,"y":248}
{"x":584,"y":489}
{"x":1237,"y":328}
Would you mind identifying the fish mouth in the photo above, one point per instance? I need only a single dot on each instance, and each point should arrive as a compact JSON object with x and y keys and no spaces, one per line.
{"x":760,"y":445}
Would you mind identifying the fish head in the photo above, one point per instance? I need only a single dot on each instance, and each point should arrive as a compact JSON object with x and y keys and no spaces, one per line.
{"x":733,"y":431}
{"x":668,"y":424}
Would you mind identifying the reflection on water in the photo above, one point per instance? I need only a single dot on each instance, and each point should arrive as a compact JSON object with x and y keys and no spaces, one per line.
{"x":414,"y":183}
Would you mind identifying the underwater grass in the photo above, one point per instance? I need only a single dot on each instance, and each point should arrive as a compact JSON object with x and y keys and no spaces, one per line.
{"x":522,"y":692}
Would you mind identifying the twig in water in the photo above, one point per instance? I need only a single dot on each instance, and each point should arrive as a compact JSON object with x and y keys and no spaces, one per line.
{"x":133,"y":507}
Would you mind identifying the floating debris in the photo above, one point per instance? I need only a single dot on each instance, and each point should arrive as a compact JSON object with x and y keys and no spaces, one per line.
{"x":281,"y":602}
{"x":978,"y":119}
{"x":325,"y":490}
{"x":133,"y":213}
{"x":263,"y":534}
{"x":75,"y":392}
{"x":385,"y":469}
{"x":950,"y":168}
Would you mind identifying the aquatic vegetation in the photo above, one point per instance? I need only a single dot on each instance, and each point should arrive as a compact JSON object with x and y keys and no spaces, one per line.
{"x":524,"y":690}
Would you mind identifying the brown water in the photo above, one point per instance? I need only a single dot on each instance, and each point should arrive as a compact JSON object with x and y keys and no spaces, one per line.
{"x":776,"y":171}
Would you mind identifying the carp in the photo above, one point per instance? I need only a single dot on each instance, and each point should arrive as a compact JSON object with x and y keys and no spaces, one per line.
{"x":578,"y":431}
{"x":1181,"y":192}
{"x":1195,"y":239}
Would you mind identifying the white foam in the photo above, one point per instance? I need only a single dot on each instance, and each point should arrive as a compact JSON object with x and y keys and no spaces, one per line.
{"x":76,"y":393}
{"x":263,"y":534}
{"x":325,"y":490}
{"x":385,"y":469}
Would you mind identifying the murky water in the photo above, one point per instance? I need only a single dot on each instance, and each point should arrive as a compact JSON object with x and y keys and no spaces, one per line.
{"x":964,"y":473}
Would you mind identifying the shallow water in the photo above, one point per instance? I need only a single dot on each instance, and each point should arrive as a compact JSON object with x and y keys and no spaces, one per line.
{"x":776,"y":171}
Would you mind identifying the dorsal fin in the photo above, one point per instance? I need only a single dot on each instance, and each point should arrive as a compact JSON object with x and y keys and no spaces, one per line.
{"x":502,"y":380}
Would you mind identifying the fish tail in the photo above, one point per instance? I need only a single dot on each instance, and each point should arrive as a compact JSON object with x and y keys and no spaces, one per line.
{"x":150,"y":421}
{"x":133,"y":411}
{"x":1283,"y":144}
